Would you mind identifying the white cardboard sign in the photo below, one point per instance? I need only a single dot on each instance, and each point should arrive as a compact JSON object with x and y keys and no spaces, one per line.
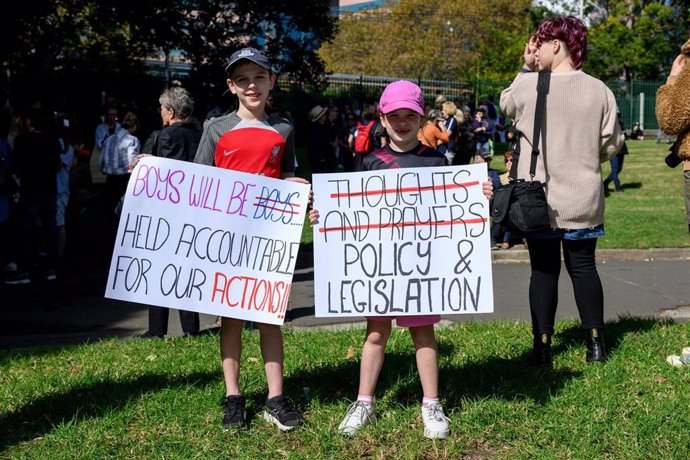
{"x":207,"y":239}
{"x":402,"y":242}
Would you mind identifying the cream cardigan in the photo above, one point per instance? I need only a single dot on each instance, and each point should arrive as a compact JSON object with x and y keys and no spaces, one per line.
{"x":579,"y":132}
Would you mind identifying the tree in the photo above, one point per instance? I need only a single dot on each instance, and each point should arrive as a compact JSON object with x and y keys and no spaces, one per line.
{"x":75,"y":49}
{"x":451,"y":41}
{"x":649,"y":32}
{"x":631,"y":39}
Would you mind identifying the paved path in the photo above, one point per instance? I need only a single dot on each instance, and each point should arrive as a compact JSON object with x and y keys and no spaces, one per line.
{"x":650,"y":283}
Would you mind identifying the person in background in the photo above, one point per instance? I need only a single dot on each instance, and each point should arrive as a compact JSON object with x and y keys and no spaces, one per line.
{"x":67,"y":159}
{"x":108,"y":127}
{"x":376,"y":134}
{"x":480,"y":129}
{"x":636,"y":133}
{"x":672,"y":102}
{"x":119,"y":150}
{"x":499,"y":233}
{"x":320,"y":142}
{"x":449,"y":111}
{"x":36,"y":161}
{"x":580,"y":107}
{"x":466,"y":144}
{"x":178,"y":140}
{"x":616,"y":164}
{"x":8,"y":188}
{"x":347,"y":159}
{"x":433,"y":133}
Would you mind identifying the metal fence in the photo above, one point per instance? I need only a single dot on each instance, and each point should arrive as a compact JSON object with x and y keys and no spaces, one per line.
{"x":635,"y":99}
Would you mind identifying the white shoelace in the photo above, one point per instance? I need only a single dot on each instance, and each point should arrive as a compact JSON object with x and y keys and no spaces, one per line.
{"x":435,"y":413}
{"x":358,"y":410}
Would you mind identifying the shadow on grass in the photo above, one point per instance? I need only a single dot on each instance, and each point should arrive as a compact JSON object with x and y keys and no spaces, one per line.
{"x":43,"y":414}
{"x":491,"y":376}
{"x":624,"y":187}
{"x":614,"y":332}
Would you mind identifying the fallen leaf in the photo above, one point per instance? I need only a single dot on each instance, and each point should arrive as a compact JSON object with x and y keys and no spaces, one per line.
{"x":660,"y":379}
{"x":350,"y":352}
{"x":252,"y":359}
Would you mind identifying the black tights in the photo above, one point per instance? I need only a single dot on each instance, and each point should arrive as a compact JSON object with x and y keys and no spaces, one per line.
{"x":545,"y":259}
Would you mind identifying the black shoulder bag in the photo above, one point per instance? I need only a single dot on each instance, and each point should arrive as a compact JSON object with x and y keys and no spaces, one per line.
{"x":521,"y":205}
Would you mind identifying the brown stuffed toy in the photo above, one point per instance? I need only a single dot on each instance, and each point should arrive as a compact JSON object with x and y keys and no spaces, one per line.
{"x":673,"y":106}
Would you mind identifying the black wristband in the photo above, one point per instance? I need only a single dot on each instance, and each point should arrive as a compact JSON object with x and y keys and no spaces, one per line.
{"x":524,"y":69}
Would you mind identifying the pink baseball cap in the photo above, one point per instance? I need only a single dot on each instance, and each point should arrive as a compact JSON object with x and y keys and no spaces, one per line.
{"x":402,"y":94}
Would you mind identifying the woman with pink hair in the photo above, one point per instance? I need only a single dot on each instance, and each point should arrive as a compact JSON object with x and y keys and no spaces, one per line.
{"x":579,"y":131}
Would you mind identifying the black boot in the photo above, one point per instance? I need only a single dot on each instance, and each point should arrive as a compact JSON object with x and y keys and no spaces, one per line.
{"x":541,"y":354}
{"x":596,"y":348}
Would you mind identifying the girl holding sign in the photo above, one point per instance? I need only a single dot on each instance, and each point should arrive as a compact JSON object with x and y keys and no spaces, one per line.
{"x":402,"y":112}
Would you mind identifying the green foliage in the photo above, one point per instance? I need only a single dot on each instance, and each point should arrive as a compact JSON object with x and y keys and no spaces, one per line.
{"x":89,"y":47}
{"x":644,"y":55}
{"x":451,"y":41}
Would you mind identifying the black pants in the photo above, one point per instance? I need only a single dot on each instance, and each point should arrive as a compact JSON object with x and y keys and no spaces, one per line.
{"x":30,"y":209}
{"x":158,"y":321}
{"x":545,"y":259}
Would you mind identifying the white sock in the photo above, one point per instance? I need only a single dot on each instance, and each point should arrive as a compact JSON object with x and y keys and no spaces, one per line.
{"x":369,"y":400}
{"x":429,"y":401}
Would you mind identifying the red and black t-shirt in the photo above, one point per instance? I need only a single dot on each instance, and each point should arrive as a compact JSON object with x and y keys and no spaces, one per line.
{"x":257,"y":147}
{"x":419,"y":156}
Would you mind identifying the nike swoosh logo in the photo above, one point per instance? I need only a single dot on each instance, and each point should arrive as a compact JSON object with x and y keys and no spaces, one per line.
{"x":227,"y":153}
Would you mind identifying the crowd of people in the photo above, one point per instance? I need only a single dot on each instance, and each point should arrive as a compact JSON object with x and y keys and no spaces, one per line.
{"x":335,"y":134}
{"x":400,"y":130}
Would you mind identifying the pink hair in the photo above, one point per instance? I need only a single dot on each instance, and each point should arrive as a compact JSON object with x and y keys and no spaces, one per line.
{"x":571,"y":31}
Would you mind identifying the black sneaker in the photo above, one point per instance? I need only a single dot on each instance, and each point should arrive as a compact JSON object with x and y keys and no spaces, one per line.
{"x":279,"y":412}
{"x":234,"y":413}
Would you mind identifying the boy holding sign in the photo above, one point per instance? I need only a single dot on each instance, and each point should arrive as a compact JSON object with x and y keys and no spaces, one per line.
{"x":402,"y":112}
{"x":249,"y":140}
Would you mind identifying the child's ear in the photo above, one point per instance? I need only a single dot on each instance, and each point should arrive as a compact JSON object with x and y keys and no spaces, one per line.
{"x":273,"y":80}
{"x":231,"y":86}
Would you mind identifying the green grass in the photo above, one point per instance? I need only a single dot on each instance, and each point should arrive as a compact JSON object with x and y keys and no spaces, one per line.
{"x":160,"y":399}
{"x":649,"y":213}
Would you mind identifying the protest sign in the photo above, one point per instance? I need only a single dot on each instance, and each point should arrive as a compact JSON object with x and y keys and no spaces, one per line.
{"x":207,"y":239}
{"x":402,"y":242}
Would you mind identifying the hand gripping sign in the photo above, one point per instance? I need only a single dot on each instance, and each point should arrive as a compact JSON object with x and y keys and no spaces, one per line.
{"x":402,"y":242}
{"x":207,"y":239}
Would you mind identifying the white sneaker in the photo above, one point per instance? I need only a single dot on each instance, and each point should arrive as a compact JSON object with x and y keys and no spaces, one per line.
{"x":435,"y":422}
{"x":358,"y":414}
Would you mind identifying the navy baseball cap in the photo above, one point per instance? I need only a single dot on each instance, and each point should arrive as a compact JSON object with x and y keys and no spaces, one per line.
{"x":251,"y":54}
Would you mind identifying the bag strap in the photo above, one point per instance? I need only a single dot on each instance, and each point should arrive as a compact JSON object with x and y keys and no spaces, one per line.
{"x":421,"y":130}
{"x":543,"y":84}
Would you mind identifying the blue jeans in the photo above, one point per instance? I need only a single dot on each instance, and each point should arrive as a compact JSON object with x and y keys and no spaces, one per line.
{"x":616,"y":168}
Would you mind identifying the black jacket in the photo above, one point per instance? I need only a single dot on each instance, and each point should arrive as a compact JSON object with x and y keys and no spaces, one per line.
{"x":179,"y":141}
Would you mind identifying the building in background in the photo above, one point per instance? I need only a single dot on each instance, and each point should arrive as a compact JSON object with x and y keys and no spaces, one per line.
{"x":341,"y":6}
